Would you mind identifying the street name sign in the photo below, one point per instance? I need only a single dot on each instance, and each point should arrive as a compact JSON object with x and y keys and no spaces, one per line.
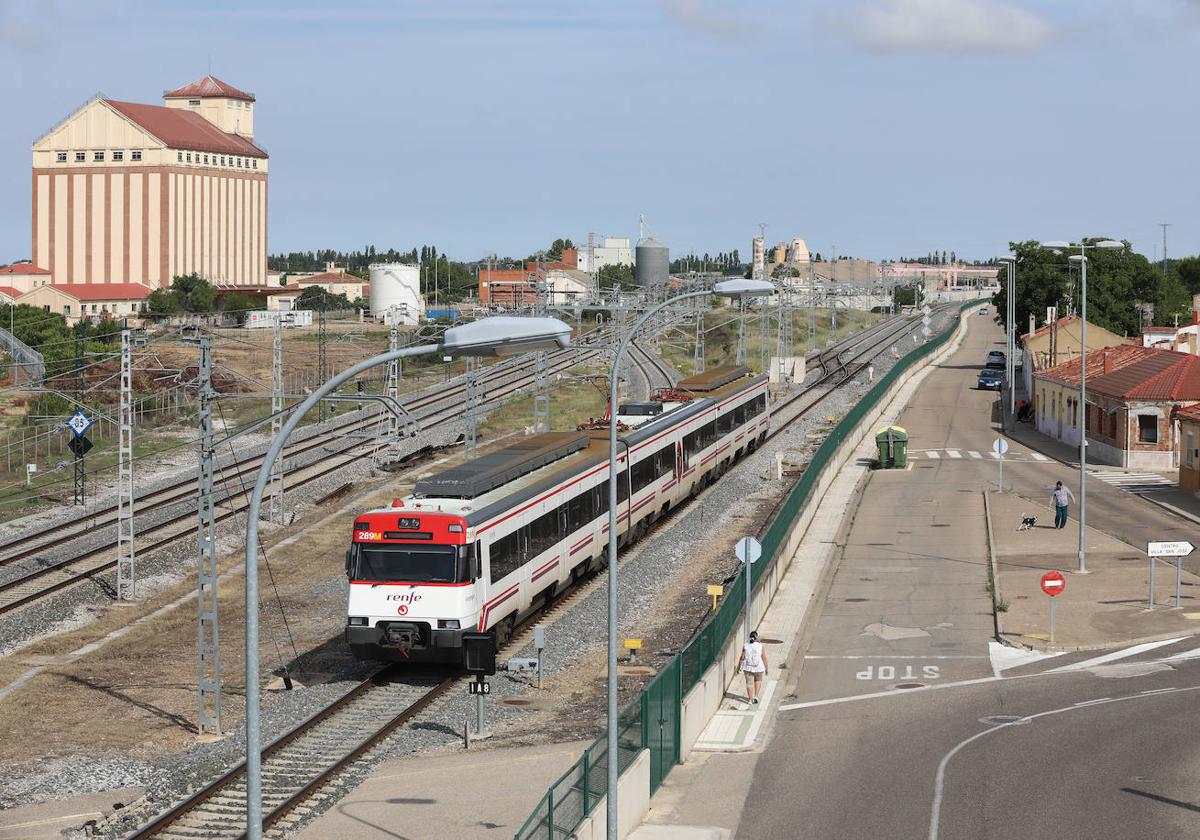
{"x":1053,"y":583}
{"x":1178,"y":548}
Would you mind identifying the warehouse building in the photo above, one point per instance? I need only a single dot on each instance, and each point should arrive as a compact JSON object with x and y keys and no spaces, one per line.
{"x":134,"y":194}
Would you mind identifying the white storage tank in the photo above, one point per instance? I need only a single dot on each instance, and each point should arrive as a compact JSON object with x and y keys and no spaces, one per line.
{"x":397,"y":286}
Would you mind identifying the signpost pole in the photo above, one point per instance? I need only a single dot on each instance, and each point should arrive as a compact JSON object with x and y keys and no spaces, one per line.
{"x":748,"y":549}
{"x":1178,"y":582}
{"x":1000,"y":461}
{"x":1051,"y":621}
{"x":480,"y":722}
{"x":1151,"y":583}
{"x":1177,"y":549}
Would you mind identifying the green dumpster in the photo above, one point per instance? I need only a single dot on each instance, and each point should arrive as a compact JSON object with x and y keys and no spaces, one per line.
{"x":892,"y":442}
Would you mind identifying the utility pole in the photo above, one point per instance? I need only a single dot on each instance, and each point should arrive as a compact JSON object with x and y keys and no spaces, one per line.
{"x":741,"y":345}
{"x":393,"y":385}
{"x":1164,"y":226}
{"x":764,"y":323}
{"x":541,"y":376}
{"x":698,"y":349}
{"x":275,"y":504}
{"x":471,"y":411}
{"x":783,"y":337}
{"x":126,"y":574}
{"x":322,"y":363}
{"x":209,"y":664}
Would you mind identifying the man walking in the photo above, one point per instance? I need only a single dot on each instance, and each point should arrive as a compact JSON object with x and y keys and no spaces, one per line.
{"x":1060,"y":498}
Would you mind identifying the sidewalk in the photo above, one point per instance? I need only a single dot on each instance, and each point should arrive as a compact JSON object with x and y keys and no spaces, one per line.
{"x":468,"y":796}
{"x":1106,"y":607}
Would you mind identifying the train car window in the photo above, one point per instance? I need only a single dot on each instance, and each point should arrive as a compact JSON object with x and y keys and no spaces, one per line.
{"x":710,"y":434}
{"x":725,"y":423}
{"x":690,"y":445}
{"x":740,"y":414}
{"x":407,"y":563}
{"x":622,"y":486}
{"x":643,"y":473}
{"x":579,"y":511}
{"x":600,"y":499}
{"x":506,"y":555}
{"x":664,"y":461}
{"x":543,"y":533}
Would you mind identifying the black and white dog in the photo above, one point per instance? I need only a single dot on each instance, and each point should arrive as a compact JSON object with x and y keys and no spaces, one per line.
{"x":1027,"y":522}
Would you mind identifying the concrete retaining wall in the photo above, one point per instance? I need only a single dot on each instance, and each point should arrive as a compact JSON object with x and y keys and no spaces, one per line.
{"x":704,"y":699}
{"x":633,"y":800}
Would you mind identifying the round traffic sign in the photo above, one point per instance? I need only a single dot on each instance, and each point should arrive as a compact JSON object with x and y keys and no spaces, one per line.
{"x":748,"y":549}
{"x":1053,"y":583}
{"x":999,"y":446}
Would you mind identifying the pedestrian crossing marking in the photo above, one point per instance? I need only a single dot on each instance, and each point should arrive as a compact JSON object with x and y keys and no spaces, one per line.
{"x":974,"y":454}
{"x":1038,"y":456}
{"x":934,"y":454}
{"x":953,"y":453}
{"x":1136,"y":483}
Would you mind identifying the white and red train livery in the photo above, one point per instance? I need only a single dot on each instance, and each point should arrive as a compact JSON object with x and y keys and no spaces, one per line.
{"x":484,"y":544}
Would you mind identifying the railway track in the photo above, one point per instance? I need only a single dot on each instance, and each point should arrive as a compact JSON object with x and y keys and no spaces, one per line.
{"x":300,"y":763}
{"x":332,"y":450}
{"x":657,"y":373}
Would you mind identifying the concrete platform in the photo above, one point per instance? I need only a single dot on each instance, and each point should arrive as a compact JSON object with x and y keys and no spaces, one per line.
{"x":1108,"y":606}
{"x":50,"y":819}
{"x":478,"y":795}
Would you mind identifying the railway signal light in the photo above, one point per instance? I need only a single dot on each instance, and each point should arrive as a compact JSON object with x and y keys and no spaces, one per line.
{"x":479,"y":653}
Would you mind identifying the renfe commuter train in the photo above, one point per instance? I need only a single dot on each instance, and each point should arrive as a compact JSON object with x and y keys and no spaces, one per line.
{"x":482,"y":545}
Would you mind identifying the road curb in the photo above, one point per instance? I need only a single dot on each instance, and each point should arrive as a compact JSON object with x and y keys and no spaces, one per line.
{"x":1105,"y":645}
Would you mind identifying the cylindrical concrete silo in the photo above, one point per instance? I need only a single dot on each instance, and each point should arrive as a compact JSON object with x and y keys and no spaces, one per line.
{"x":396,"y":287}
{"x":652,"y":265}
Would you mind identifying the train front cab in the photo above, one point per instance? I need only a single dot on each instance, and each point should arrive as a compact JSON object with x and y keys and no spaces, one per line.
{"x":414,"y":581}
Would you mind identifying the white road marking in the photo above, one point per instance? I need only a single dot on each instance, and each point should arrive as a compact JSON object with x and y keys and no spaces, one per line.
{"x":890,"y":656}
{"x":933,"y":453}
{"x":974,"y":454}
{"x":1004,"y":657}
{"x":995,"y":456}
{"x":1124,"y":653}
{"x":1092,"y":702}
{"x":939,"y":781}
{"x":953,"y":453}
{"x":1194,"y":653}
{"x":1038,"y":456}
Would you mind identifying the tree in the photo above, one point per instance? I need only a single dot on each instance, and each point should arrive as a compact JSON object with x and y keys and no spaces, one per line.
{"x":620,"y":275}
{"x":194,"y":292}
{"x":238,"y":304}
{"x":164,"y":302}
{"x":316,"y":298}
{"x":555,"y":251}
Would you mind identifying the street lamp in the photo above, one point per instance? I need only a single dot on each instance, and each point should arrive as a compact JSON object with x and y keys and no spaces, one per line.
{"x":499,"y":336}
{"x":1010,"y":365}
{"x":737,"y":289}
{"x":1081,"y":258}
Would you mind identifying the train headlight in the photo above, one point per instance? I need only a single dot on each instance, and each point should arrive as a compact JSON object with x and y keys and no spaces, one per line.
{"x":358,"y":621}
{"x":447,"y":623}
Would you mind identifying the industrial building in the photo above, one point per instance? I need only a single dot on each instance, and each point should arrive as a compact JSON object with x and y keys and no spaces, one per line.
{"x":611,"y":250}
{"x":126,"y":193}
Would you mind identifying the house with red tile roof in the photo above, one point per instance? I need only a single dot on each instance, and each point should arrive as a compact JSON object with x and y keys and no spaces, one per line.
{"x":23,"y":276}
{"x":89,"y":300}
{"x":135,"y":193}
{"x":1189,"y":448}
{"x":1134,"y":396}
{"x":1058,"y":341}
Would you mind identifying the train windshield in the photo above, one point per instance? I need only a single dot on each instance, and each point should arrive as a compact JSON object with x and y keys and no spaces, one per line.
{"x":407,"y":563}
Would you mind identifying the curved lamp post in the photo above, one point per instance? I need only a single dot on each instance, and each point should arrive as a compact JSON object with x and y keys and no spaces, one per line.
{"x":499,"y":336}
{"x":736,"y":289}
{"x":1010,"y":364}
{"x":1081,"y":258}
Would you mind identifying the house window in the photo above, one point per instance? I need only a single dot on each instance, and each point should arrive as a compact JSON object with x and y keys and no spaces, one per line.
{"x":137,"y":154}
{"x":1189,"y":452}
{"x":239,"y":163}
{"x":256,"y":163}
{"x":66,"y":309}
{"x":222,"y":160}
{"x":1147,"y":428}
{"x":62,"y":157}
{"x":80,"y":157}
{"x":95,"y":307}
{"x":117,"y":156}
{"x":193,"y":103}
{"x":98,"y":157}
{"x":189,"y":157}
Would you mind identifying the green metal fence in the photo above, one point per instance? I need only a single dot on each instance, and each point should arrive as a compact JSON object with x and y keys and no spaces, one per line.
{"x":652,"y":721}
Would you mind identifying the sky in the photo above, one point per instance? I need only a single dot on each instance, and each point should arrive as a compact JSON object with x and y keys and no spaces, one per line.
{"x":884,"y":128}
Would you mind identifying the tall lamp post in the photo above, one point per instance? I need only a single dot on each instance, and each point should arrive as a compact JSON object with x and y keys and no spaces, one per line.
{"x":1081,"y":258}
{"x":1010,"y":364}
{"x":499,"y":336}
{"x":737,"y":289}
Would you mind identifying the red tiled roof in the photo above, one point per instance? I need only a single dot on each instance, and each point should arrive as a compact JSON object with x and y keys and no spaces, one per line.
{"x":1170,"y":330}
{"x":208,"y":86}
{"x":103,"y":291}
{"x":330,"y":277}
{"x":22,"y":268}
{"x":1135,"y":373}
{"x":11,"y":292}
{"x":181,"y":129}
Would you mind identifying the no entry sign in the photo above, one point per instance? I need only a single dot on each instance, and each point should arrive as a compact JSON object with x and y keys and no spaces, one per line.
{"x":1053,"y":583}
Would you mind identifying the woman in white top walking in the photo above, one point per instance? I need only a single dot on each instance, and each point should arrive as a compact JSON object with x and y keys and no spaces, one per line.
{"x":754,"y":665}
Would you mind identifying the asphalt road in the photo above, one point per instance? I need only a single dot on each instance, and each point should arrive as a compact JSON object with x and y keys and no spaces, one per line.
{"x":979,"y":752}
